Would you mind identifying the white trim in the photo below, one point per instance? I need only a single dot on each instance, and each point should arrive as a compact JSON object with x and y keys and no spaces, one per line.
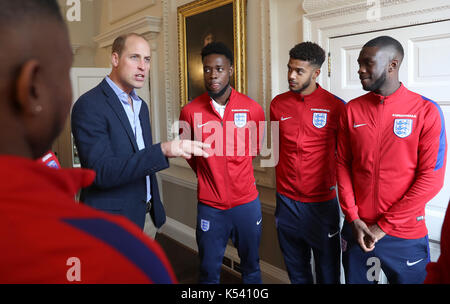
{"x":183,"y":182}
{"x":186,"y":236}
{"x":168,"y":67}
{"x":180,"y":233}
{"x":314,"y":6}
{"x":118,"y":13}
{"x":147,"y":26}
{"x":75,"y":48}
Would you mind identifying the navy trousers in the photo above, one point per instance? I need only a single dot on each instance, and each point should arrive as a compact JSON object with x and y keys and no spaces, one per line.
{"x":305,"y":226}
{"x":403,"y":261}
{"x":215,"y":227}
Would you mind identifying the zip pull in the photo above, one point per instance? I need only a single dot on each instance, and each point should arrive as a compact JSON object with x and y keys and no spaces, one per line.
{"x":382,"y":100}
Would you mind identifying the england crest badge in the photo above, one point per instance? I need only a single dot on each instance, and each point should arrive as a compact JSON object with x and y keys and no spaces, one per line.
{"x":204,"y":225}
{"x":403,"y":127}
{"x":240,"y":119}
{"x":319,"y":120}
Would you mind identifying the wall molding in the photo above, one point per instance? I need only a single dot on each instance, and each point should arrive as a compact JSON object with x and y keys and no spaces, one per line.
{"x":75,"y":48}
{"x":116,"y":13}
{"x":167,"y":79}
{"x":325,"y":10}
{"x":312,"y":6}
{"x":148,"y":26}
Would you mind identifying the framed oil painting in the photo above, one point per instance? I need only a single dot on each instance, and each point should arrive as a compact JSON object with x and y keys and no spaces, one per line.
{"x":201,"y":22}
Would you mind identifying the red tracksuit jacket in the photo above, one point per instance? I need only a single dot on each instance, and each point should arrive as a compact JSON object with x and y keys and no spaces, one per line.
{"x":308,"y":125}
{"x":391,"y":160}
{"x":47,"y":237}
{"x":225,"y":178}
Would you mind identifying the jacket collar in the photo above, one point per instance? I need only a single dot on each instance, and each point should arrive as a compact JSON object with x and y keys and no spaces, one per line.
{"x":398,"y":94}
{"x":117,"y":107}
{"x":313,"y":96}
{"x":21,"y":176}
{"x":231,"y":101}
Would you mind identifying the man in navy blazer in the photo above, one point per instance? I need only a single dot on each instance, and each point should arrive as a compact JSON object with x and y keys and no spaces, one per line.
{"x":111,"y":128}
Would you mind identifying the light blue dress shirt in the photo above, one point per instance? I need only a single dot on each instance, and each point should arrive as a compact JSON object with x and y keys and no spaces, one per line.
{"x":133,"y":118}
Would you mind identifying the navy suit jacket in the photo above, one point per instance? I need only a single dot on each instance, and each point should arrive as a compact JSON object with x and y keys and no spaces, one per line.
{"x":106,"y":144}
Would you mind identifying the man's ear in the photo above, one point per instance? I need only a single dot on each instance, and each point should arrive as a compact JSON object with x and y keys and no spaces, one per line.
{"x":394,"y":65}
{"x":316,"y":74}
{"x":27,"y":91}
{"x":115,"y":59}
{"x":231,"y":70}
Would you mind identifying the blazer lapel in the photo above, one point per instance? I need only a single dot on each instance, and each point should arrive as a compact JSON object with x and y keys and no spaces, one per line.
{"x":145,"y":124}
{"x":114,"y":102}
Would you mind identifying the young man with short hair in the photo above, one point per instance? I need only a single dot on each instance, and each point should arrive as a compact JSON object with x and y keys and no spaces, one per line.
{"x":307,"y":214}
{"x":391,"y":161}
{"x":228,"y":202}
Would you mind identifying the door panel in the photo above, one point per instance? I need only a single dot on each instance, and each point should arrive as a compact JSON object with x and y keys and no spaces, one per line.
{"x":83,"y":79}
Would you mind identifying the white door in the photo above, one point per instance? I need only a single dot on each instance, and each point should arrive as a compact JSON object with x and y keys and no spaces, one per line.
{"x":84,"y":79}
{"x":425,"y":70}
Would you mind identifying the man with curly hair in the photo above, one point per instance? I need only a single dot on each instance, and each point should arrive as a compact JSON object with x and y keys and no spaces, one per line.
{"x":307,"y":212}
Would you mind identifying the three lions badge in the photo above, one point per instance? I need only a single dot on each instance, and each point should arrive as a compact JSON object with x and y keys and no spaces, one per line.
{"x":403,"y":127}
{"x":319,"y":120}
{"x":240,"y":119}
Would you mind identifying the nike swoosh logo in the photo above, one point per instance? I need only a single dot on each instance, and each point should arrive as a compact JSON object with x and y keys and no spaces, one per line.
{"x":331,"y":235}
{"x":412,"y":263}
{"x":258,"y":222}
{"x":199,"y":126}
{"x":357,"y":126}
{"x":285,"y":118}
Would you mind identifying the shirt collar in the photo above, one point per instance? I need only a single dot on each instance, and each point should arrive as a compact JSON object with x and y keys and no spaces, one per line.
{"x":123,"y":96}
{"x":313,"y":96}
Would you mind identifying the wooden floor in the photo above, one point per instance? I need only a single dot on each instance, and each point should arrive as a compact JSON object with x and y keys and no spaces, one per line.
{"x":185,"y":262}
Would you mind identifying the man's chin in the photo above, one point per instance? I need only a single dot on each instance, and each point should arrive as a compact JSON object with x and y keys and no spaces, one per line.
{"x":368,"y":88}
{"x":216,"y":94}
{"x":138,"y":85}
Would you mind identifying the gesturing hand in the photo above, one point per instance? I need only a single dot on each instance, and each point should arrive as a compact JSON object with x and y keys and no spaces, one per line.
{"x":184,"y":148}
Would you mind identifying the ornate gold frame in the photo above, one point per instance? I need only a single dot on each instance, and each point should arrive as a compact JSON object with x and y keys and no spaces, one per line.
{"x":239,"y":34}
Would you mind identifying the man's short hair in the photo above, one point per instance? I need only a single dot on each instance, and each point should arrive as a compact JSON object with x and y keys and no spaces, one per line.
{"x":19,"y":18}
{"x":13,"y":13}
{"x":119,"y":42}
{"x":386,"y":41}
{"x":308,"y":51}
{"x":218,"y":48}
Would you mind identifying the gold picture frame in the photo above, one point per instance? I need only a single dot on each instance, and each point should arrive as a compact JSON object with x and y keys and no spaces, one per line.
{"x":200,"y":22}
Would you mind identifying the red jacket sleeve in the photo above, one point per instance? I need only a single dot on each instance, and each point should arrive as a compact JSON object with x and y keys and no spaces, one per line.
{"x":344,"y":170}
{"x":432,"y":156}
